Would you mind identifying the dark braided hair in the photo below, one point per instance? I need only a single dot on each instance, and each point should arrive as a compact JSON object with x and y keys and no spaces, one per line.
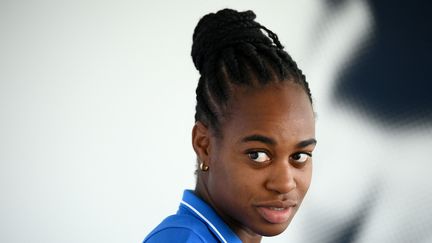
{"x":230,"y":49}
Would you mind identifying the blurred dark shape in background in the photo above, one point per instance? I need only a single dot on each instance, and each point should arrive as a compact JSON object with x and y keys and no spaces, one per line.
{"x":389,"y":79}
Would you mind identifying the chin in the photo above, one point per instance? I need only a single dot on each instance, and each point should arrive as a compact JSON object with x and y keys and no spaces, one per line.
{"x":272,"y":229}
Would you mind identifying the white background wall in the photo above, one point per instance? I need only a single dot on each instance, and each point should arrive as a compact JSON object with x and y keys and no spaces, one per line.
{"x":96,"y":109}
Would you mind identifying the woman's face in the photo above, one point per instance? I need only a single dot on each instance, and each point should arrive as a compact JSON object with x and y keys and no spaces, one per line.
{"x":260,"y":168}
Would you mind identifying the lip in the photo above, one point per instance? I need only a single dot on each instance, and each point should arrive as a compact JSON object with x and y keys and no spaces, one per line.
{"x":276,"y":212}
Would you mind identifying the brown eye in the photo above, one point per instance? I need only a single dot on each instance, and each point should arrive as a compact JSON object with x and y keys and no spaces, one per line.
{"x":301,"y":157}
{"x":258,"y":156}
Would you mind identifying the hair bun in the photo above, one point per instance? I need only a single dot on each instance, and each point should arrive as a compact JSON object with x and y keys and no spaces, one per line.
{"x":227,"y":27}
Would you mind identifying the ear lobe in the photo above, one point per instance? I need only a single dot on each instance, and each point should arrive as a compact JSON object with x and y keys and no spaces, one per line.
{"x":201,"y":141}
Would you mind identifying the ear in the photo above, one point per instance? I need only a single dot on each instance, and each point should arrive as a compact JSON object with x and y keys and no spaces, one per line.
{"x":201,"y":141}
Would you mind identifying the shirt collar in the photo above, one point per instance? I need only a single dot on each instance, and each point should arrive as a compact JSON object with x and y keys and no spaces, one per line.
{"x":204,"y":212}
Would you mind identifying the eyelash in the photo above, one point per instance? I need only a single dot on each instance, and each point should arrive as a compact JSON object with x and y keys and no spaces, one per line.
{"x":309,"y":155}
{"x":249,"y":153}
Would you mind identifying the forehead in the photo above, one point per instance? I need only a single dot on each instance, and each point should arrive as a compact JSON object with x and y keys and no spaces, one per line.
{"x":282,"y":111}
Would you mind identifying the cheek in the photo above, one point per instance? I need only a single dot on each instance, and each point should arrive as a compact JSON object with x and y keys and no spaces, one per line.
{"x":304,"y":178}
{"x":233,"y":178}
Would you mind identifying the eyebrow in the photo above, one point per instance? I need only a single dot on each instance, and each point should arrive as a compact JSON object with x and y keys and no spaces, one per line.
{"x":306,"y":143}
{"x":259,"y":138}
{"x":271,"y":141}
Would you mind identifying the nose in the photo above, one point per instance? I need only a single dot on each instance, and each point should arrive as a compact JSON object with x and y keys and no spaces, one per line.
{"x":281,"y":179}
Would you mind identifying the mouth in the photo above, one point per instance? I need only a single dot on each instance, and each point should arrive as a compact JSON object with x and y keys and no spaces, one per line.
{"x":276,"y":213}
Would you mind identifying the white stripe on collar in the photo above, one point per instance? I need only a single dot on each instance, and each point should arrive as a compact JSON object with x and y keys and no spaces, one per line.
{"x":205,"y":219}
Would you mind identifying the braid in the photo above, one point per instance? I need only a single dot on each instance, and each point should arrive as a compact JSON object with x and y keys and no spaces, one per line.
{"x":250,"y":53}
{"x":274,"y":59}
{"x":231,"y":49}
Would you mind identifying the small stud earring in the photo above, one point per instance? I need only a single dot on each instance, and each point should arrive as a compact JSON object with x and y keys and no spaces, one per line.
{"x":203,"y":167}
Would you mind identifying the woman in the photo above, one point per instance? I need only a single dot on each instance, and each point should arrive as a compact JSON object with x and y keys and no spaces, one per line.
{"x":254,"y":136}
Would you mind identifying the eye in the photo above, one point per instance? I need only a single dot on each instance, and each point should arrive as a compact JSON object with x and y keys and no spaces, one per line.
{"x":259,"y":156}
{"x":301,"y":157}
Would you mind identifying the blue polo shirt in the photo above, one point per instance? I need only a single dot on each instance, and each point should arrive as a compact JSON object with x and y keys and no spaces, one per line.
{"x":195,"y":221}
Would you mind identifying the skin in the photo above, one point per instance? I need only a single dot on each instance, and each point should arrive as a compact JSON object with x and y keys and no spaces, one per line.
{"x":262,"y":159}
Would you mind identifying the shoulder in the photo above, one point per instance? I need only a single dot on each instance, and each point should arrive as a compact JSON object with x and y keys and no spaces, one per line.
{"x":181,"y":228}
{"x":167,"y":235}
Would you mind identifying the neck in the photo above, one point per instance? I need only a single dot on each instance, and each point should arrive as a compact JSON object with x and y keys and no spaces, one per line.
{"x":246,"y":236}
